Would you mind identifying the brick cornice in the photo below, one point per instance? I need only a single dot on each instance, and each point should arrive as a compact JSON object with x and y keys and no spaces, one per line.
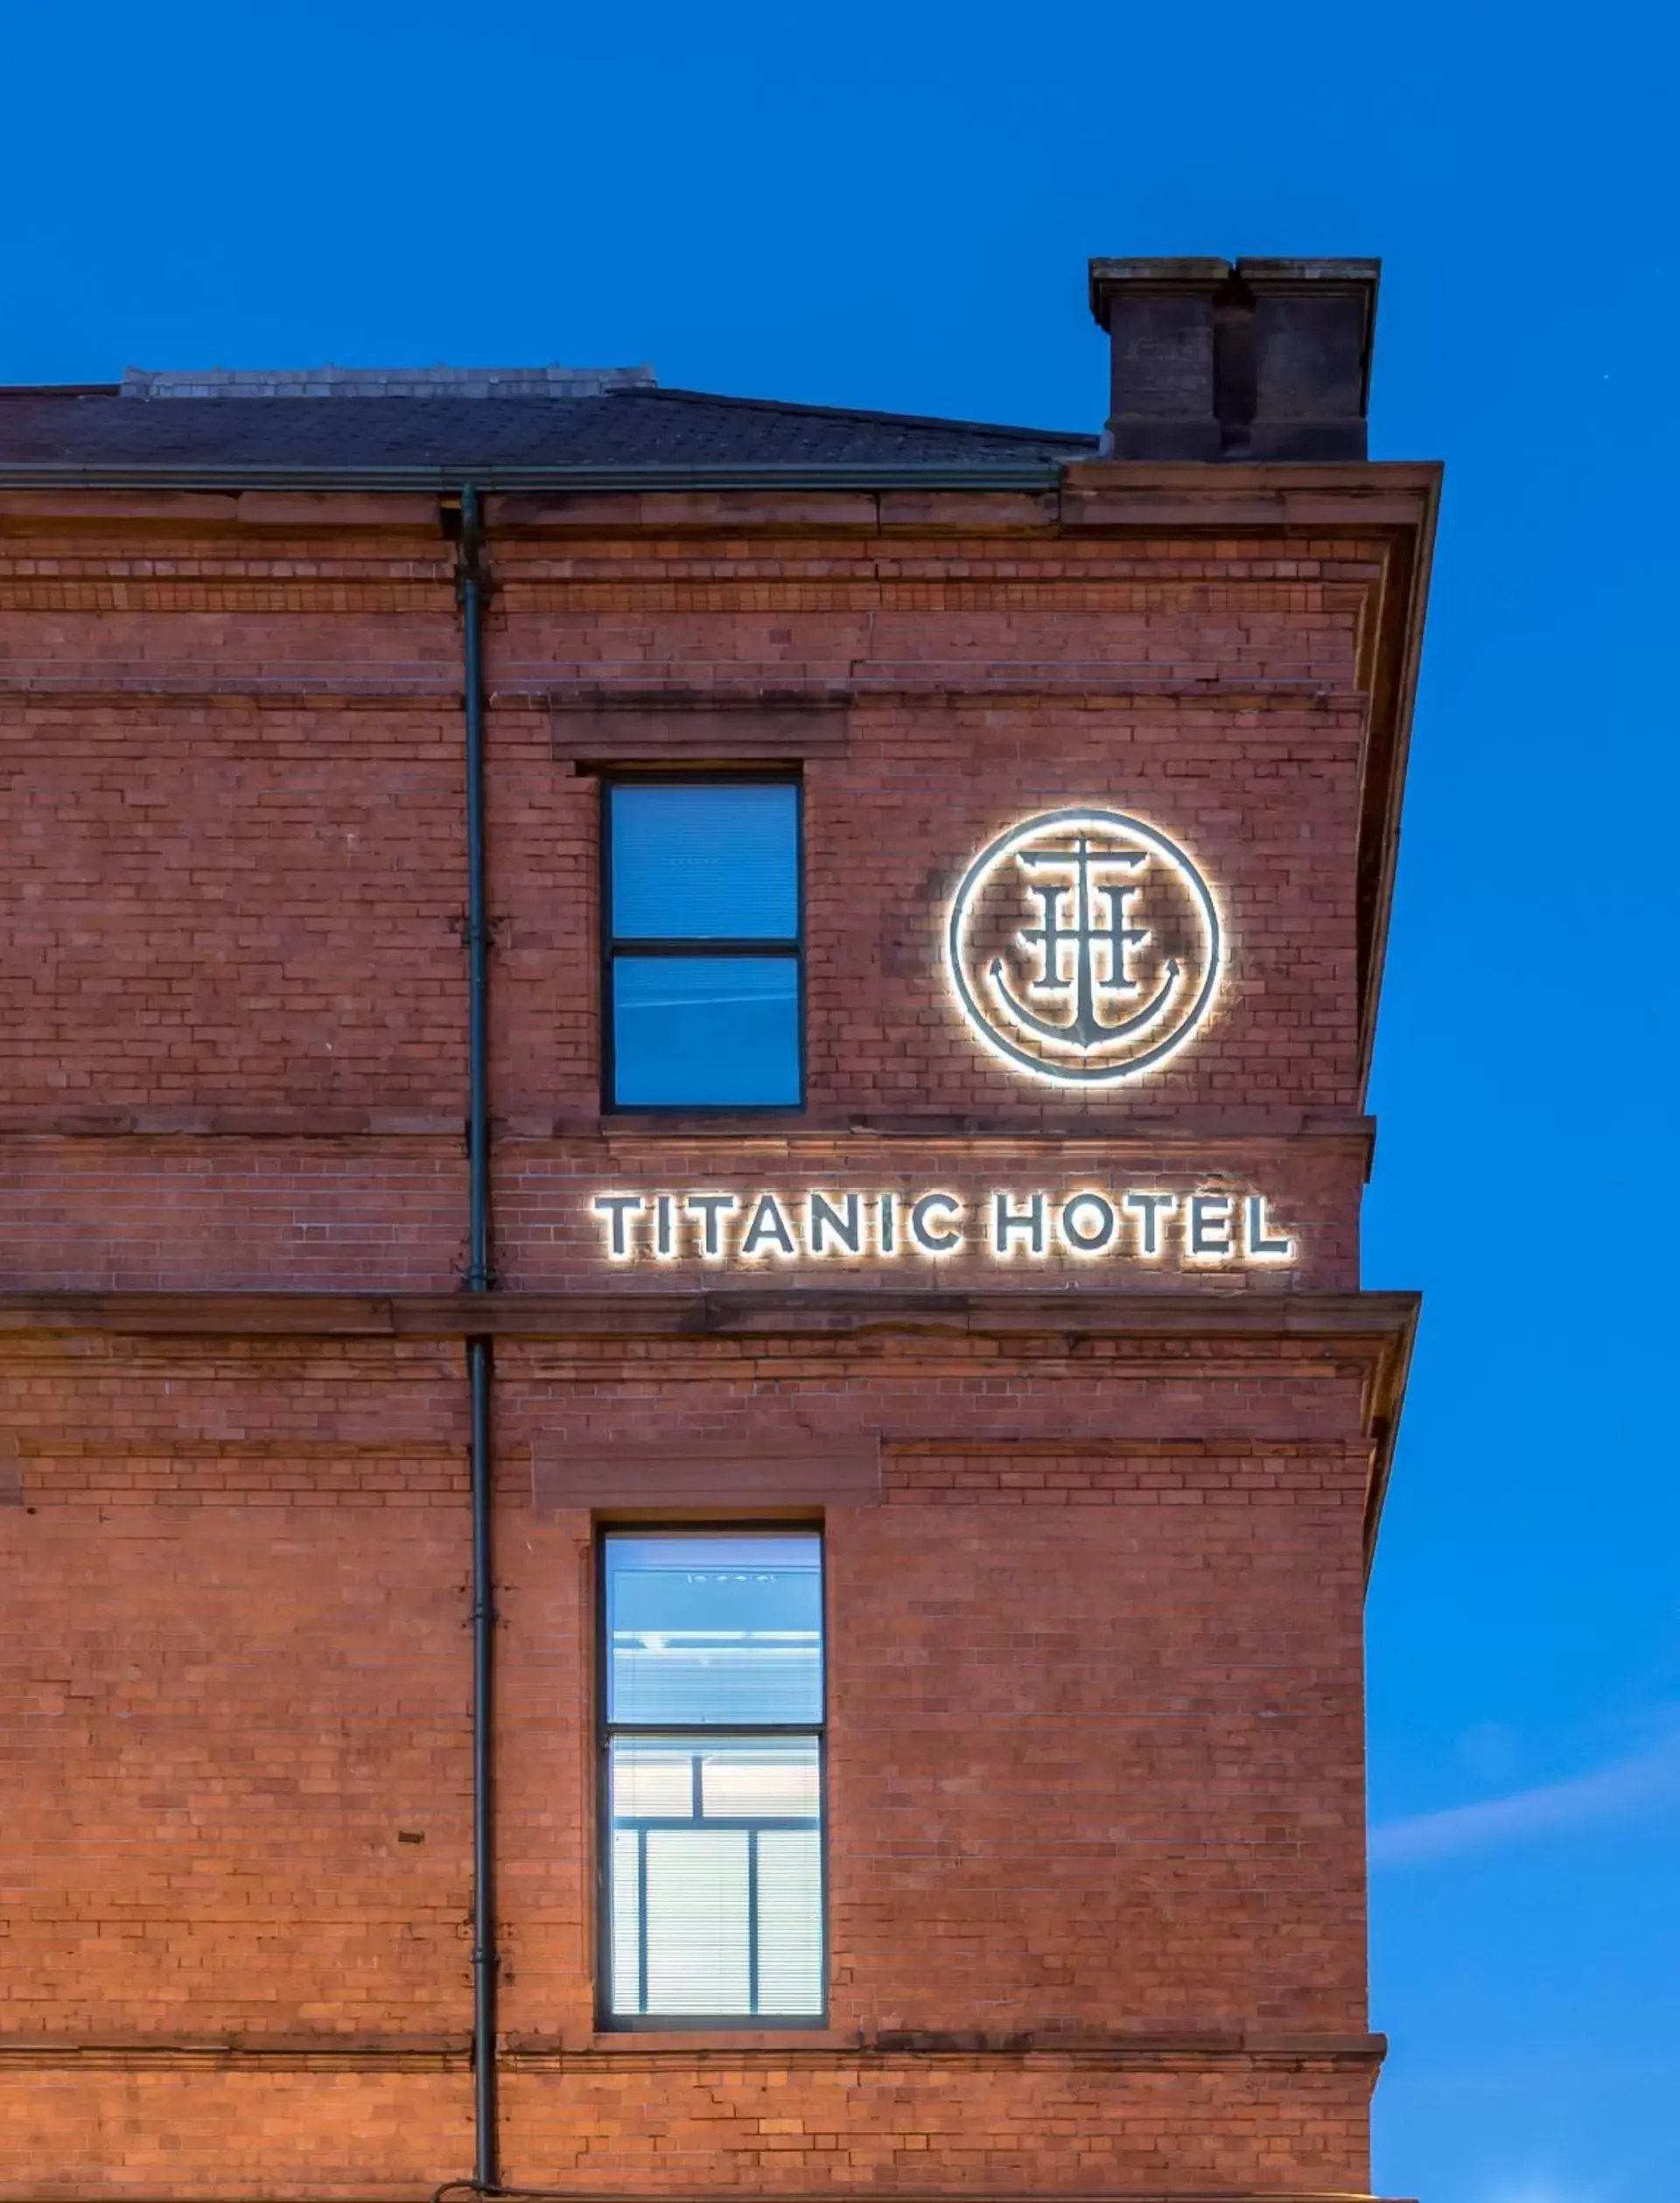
{"x":1373,"y":1319}
{"x":626,"y":1135}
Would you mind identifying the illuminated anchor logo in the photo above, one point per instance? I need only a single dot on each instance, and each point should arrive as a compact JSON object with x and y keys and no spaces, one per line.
{"x":1116,"y":943}
{"x":1092,"y":1006}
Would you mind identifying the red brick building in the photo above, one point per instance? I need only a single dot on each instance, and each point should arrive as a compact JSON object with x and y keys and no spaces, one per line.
{"x":691,"y":1440}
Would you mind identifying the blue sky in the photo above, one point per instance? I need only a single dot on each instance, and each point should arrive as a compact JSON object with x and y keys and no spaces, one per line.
{"x":892,"y":206}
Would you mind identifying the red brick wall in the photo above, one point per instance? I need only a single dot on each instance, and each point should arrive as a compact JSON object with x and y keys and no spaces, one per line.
{"x":1097,"y":1850}
{"x":995,"y":678}
{"x":235,"y":1589}
{"x":1264,"y":800}
{"x":223,"y":908}
{"x":652,"y":2124}
{"x":232,"y":794}
{"x":152,"y":1212}
{"x":1095,"y":1775}
{"x":1096,"y":1766}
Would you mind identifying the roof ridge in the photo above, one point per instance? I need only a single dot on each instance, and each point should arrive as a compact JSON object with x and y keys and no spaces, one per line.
{"x":549,"y":382}
{"x":864,"y":413}
{"x":60,"y":389}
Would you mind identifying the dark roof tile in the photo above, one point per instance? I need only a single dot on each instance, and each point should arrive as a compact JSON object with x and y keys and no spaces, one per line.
{"x":668,"y":430}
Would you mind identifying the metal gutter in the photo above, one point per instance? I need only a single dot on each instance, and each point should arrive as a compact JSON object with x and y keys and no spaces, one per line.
{"x":505,"y":481}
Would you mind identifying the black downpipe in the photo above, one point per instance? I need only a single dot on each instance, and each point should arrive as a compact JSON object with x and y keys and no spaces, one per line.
{"x":479,"y":1278}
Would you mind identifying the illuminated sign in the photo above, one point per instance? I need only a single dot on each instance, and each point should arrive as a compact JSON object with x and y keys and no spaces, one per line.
{"x":1200,"y":1225}
{"x":1084,"y":946}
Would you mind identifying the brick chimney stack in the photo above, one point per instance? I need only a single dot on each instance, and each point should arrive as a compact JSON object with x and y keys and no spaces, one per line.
{"x":1254,"y":360}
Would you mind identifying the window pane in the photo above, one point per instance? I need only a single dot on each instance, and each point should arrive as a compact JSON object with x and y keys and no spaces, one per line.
{"x":653,"y":1781}
{"x":769,"y":1779}
{"x":717,"y":1032}
{"x":790,"y":1922}
{"x":625,"y":1913}
{"x":697,"y":1944}
{"x":714,"y":1629}
{"x":724,"y":1833}
{"x":715,"y":862}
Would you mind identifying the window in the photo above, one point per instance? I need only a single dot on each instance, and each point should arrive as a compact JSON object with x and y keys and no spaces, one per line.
{"x":702,"y":945}
{"x":712,"y":1778}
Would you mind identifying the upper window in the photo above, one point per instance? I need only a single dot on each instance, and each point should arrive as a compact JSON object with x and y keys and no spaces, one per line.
{"x":702,"y":945}
{"x":712,"y":1776}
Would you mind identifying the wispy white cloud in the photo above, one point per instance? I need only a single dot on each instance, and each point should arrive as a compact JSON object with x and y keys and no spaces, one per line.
{"x":1542,"y":2192}
{"x":1616,"y":1792}
{"x":1545,"y":2192}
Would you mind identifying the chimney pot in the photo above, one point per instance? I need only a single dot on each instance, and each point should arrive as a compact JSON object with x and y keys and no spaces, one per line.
{"x":1258,"y":360}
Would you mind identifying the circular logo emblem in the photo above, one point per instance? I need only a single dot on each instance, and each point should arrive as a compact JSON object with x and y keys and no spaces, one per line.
{"x":1084,"y":946}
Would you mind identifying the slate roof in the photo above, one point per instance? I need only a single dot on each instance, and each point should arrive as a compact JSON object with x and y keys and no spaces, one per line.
{"x":636,"y":430}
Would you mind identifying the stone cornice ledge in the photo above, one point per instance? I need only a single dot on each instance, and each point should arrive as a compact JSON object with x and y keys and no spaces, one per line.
{"x":1351,"y":494}
{"x":801,"y":2046}
{"x":797,"y":2048}
{"x":463,"y":2191}
{"x":1064,"y":1311}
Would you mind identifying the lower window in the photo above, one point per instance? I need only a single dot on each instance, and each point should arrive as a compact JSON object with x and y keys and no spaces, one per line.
{"x":712,"y":1776}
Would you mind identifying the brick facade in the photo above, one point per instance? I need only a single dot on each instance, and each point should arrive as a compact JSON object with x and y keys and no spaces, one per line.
{"x":1095,"y":1755}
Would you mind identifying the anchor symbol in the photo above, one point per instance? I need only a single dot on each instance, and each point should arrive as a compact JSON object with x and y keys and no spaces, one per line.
{"x":1084,"y":1029}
